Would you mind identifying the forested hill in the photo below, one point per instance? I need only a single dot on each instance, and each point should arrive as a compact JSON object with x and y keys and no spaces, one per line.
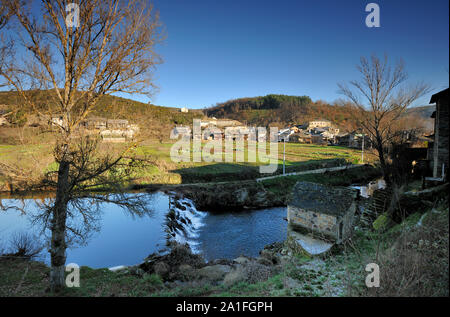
{"x":282,"y":110}
{"x":155,"y":121}
{"x":424,"y":112}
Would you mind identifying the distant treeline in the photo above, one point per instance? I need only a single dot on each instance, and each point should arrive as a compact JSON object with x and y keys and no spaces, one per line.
{"x":282,"y":110}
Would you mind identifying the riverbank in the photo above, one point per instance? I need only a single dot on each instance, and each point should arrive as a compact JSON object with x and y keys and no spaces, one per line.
{"x":249,"y":194}
{"x":419,"y":244}
{"x":273,"y":192}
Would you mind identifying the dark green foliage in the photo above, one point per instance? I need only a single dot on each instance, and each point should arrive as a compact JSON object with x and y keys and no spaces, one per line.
{"x":281,"y":110}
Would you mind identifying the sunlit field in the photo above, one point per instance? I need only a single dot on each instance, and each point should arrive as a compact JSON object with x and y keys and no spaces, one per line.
{"x":161,"y":169}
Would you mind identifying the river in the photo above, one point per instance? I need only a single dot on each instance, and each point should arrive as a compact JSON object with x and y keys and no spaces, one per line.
{"x":123,"y":239}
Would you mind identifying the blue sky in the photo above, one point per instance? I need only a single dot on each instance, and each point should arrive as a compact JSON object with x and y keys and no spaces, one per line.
{"x":220,"y":50}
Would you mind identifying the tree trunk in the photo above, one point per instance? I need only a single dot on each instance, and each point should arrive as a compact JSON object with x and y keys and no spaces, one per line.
{"x":58,"y":242}
{"x":384,"y":167}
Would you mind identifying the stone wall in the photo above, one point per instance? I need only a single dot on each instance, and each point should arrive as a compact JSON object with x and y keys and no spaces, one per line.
{"x":328,"y":227}
{"x":347,"y":222}
{"x":321,"y":224}
{"x":441,"y":134}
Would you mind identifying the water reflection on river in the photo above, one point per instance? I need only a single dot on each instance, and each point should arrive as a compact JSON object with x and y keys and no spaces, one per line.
{"x":122,"y":238}
{"x":126,"y":240}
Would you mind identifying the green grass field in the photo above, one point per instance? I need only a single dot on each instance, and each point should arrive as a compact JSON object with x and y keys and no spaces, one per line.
{"x":37,"y":158}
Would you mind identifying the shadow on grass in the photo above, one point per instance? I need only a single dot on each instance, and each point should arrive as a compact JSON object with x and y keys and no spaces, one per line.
{"x":223,"y":172}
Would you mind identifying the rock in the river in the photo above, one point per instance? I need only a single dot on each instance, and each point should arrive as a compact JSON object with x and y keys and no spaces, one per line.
{"x":269,"y":256}
{"x":168,"y":264}
{"x":241,"y":260}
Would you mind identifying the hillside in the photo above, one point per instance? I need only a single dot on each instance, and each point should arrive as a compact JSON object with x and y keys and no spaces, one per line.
{"x":270,"y":110}
{"x":282,"y":110}
{"x":155,"y":121}
{"x":423,"y":114}
{"x":422,"y":111}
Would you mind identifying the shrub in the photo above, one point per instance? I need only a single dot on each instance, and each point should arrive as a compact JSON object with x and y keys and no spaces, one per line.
{"x":417,"y":263}
{"x":24,"y":245}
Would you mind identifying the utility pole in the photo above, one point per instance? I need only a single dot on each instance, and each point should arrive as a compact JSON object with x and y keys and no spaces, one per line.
{"x":284,"y":155}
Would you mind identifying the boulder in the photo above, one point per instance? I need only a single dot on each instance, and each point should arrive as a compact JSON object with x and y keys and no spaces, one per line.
{"x":213,"y":272}
{"x":264,"y":261}
{"x":238,"y":274}
{"x":241,"y":260}
{"x":162,"y":269}
{"x":269,"y":255}
{"x":184,"y":272}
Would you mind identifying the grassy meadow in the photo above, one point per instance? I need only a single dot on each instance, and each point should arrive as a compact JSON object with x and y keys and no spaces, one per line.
{"x":36,"y":158}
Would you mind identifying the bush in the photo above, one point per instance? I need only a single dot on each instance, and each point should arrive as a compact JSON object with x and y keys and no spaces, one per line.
{"x":382,"y":223}
{"x":24,"y":245}
{"x":417,"y":263}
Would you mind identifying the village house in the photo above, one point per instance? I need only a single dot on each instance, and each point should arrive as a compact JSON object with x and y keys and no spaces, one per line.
{"x":3,"y":120}
{"x":300,"y":137}
{"x":284,"y":135}
{"x":57,"y":120}
{"x":184,"y":110}
{"x":353,"y":140}
{"x":318,"y":139}
{"x":110,"y":130}
{"x":438,"y":148}
{"x":212,"y":133}
{"x":116,"y":132}
{"x":316,"y":132}
{"x":180,"y":131}
{"x":321,"y":211}
{"x":98,"y":123}
{"x":319,"y":123}
{"x":220,"y":123}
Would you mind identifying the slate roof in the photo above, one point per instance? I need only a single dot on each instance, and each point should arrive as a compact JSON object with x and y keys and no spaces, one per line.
{"x":439,"y":95}
{"x":322,"y":199}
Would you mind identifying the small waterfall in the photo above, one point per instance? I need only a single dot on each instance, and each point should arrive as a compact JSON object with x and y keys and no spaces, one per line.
{"x":183,"y":222}
{"x":368,"y":190}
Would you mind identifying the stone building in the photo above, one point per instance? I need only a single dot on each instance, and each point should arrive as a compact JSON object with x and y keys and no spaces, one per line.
{"x":438,"y":149}
{"x":220,"y":123}
{"x":322,"y":211}
{"x":3,"y":120}
{"x":301,"y":137}
{"x":319,"y":123}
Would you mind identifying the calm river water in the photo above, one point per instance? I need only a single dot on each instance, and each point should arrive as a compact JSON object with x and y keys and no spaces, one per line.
{"x":122,"y":239}
{"x":126,"y":240}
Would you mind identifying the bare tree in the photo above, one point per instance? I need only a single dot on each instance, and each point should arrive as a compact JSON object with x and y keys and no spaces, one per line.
{"x":5,"y":13}
{"x":111,"y":50}
{"x":380,"y":99}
